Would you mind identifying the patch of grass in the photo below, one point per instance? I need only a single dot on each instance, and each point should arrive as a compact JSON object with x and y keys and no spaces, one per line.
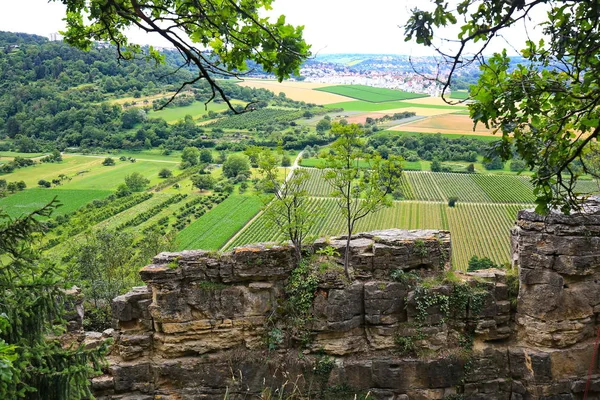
{"x":213,"y":229}
{"x":111,"y":177}
{"x":70,"y":166}
{"x":370,"y":94}
{"x":32,"y":199}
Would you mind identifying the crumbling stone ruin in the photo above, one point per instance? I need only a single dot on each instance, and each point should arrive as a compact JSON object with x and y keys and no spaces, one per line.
{"x":215,"y":326}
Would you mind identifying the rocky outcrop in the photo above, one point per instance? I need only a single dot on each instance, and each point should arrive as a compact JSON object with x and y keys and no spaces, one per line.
{"x":404,"y":327}
{"x":559,"y":270}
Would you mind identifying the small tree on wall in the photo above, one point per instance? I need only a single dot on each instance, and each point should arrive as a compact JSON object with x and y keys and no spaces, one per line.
{"x":289,"y":211}
{"x":361,"y":183}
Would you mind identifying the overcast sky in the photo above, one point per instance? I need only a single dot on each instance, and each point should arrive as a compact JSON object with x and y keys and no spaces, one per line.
{"x":331,"y":26}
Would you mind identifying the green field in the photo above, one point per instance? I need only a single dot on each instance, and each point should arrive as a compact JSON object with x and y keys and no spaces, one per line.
{"x":33,"y":199}
{"x":197,"y":109}
{"x":439,"y":186}
{"x":370,"y":94}
{"x":459,"y":94}
{"x":477,"y":229}
{"x":111,"y":177}
{"x":365,"y":106}
{"x":215,"y":228}
{"x":70,"y":166}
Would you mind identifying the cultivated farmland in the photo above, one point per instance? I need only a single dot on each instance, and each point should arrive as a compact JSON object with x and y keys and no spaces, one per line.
{"x":440,"y":186}
{"x":477,"y":229}
{"x":369,"y":93}
{"x":299,"y":91}
{"x":449,"y":123}
{"x":213,"y":230}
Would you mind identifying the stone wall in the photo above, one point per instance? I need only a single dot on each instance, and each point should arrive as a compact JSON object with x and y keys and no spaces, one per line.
{"x":404,"y":326}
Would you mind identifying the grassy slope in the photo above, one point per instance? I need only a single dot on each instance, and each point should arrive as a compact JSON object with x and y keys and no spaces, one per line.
{"x":33,"y":199}
{"x":212,"y":230}
{"x":370,"y":94}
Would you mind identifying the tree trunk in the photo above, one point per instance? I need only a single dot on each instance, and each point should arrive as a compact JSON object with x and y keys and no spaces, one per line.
{"x":347,"y":254}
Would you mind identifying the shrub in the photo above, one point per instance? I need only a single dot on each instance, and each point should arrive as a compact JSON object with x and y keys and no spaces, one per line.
{"x":165,"y":173}
{"x":452,"y":201}
{"x":476,"y":264}
{"x":108,"y":162}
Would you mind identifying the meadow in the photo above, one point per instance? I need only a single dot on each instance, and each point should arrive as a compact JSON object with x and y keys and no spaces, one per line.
{"x":33,"y":199}
{"x":369,"y":93}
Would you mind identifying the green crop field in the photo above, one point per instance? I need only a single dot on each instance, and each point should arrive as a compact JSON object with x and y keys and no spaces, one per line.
{"x":215,"y":228}
{"x":118,"y":219}
{"x":439,"y":186}
{"x":505,"y":188}
{"x":366,"y":106}
{"x":33,"y":199}
{"x":370,"y":94}
{"x":477,"y":229}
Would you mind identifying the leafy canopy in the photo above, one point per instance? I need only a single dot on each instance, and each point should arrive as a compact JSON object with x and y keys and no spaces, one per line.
{"x":361,"y":182}
{"x":289,"y":211}
{"x":216,"y":37}
{"x":546,"y":109}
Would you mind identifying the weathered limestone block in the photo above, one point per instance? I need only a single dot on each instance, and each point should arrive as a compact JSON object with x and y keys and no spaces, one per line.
{"x":340,"y":309}
{"x":340,"y":343}
{"x":131,"y":311}
{"x":226,"y":302}
{"x":261,"y":263}
{"x":74,"y":309}
{"x":527,"y":364}
{"x":132,"y":376}
{"x":434,"y":315}
{"x":384,"y":302}
{"x":559,"y":261}
{"x":134,"y":346}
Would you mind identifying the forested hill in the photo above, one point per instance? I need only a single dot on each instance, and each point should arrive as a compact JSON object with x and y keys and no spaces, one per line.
{"x":55,"y":96}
